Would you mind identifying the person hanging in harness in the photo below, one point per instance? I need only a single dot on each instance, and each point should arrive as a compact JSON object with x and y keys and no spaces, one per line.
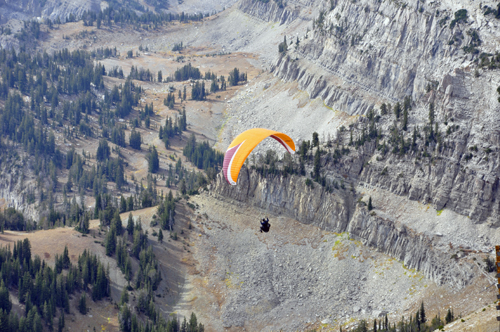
{"x":265,"y":225}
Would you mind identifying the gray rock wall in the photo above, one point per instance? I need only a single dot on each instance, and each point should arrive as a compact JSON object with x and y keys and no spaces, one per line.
{"x":31,"y":9}
{"x":54,"y":8}
{"x":337,"y":212}
{"x":383,"y":49}
{"x":366,"y":53}
{"x":269,"y":11}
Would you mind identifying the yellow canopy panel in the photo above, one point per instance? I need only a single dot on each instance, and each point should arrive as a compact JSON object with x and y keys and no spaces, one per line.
{"x":243,"y":144}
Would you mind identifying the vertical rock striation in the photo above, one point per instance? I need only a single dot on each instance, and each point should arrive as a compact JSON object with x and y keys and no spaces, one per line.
{"x":269,"y":11}
{"x":361,"y":54}
{"x":338,"y":212}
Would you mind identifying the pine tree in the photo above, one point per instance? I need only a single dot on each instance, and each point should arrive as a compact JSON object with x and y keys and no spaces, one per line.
{"x":117,"y":223}
{"x":317,"y":164}
{"x":100,"y":287}
{"x":84,"y":224}
{"x":135,"y":140}
{"x":193,"y":323}
{"x":422,"y":313}
{"x":153,"y":160}
{"x":125,"y":318}
{"x":184,"y":325}
{"x":61,"y":323}
{"x":37,"y":323}
{"x":383,"y":109}
{"x":362,"y":326}
{"x":160,"y":236}
{"x":65,"y":258}
{"x":183,"y":120}
{"x":123,"y":204}
{"x":4,"y":322}
{"x":283,"y":46}
{"x":110,"y":242}
{"x":449,"y":316}
{"x":370,"y":206}
{"x":315,"y":140}
{"x":103,"y":151}
{"x":431,"y":114}
{"x":405,"y":119}
{"x":5,"y":302}
{"x":26,"y":251}
{"x":130,"y":225}
{"x":124,"y":296}
{"x":82,"y":304}
{"x":66,"y":302}
{"x":130,"y":203}
{"x":97,"y":206}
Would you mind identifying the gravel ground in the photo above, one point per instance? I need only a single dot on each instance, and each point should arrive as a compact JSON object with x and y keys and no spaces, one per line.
{"x":292,"y":278}
{"x":298,"y":277}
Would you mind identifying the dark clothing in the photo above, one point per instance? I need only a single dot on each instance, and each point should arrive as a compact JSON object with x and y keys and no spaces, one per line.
{"x":265,"y":225}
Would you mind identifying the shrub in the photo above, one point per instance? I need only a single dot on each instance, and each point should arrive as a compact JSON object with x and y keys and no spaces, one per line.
{"x":460,"y":16}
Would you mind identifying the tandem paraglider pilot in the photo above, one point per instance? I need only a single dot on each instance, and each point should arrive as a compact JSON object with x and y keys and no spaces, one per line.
{"x":242,"y":146}
{"x":265,"y":225}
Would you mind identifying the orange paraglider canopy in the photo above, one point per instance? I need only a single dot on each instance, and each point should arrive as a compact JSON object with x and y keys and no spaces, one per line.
{"x":244,"y":143}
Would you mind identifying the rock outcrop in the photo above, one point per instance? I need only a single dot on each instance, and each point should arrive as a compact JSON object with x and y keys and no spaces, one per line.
{"x":52,"y":9}
{"x":270,"y":11}
{"x":338,"y":212}
{"x":361,"y":54}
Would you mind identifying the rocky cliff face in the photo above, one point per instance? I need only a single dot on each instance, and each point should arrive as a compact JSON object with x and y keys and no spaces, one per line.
{"x":18,"y":9}
{"x":361,"y":54}
{"x":54,"y":8}
{"x":444,"y":151}
{"x":270,"y":11}
{"x":18,"y":184}
{"x":31,"y":9}
{"x":386,"y":50}
{"x":338,"y":212}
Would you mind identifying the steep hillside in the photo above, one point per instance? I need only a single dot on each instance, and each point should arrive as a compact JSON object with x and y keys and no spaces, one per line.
{"x":298,"y":277}
{"x":32,"y":9}
{"x":338,"y":212}
{"x":403,"y":96}
{"x":411,"y":86}
{"x":361,"y":55}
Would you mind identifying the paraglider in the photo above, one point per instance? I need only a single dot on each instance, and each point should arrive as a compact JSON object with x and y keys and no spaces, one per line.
{"x":265,"y":225}
{"x":243,"y":144}
{"x":240,"y":148}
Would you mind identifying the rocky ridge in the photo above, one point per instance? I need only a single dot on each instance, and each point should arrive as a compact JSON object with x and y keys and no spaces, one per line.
{"x":362,"y":54}
{"x":293,"y":278}
{"x":338,"y":212}
{"x":270,"y":11}
{"x":31,"y":9}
